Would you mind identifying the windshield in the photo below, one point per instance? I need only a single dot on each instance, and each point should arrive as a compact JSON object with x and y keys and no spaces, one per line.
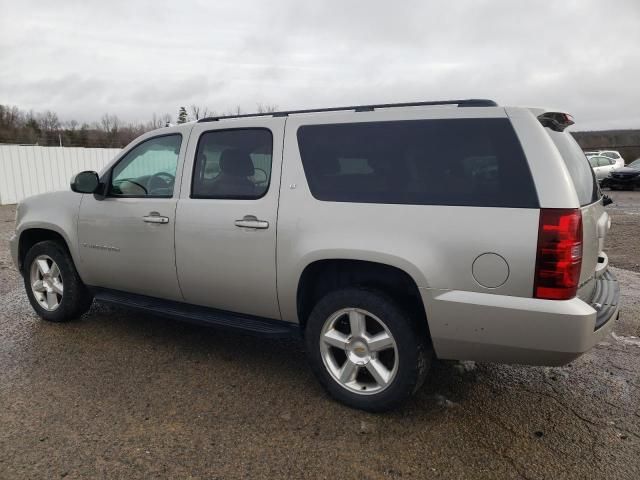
{"x":635,"y":164}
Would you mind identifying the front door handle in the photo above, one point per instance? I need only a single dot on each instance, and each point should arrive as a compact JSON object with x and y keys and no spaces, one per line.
{"x":251,"y":221}
{"x":155,"y":217}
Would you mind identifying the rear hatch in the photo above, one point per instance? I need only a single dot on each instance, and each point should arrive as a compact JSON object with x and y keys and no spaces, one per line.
{"x":595,"y":220}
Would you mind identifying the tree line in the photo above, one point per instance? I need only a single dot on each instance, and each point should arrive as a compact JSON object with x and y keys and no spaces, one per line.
{"x":627,"y":142}
{"x":47,"y":129}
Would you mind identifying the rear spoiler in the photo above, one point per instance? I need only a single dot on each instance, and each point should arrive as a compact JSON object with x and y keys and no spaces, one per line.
{"x":556,"y":121}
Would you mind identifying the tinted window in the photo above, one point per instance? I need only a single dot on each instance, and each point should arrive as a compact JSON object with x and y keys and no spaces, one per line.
{"x":635,"y":164}
{"x":476,"y":162}
{"x":582,"y":175}
{"x":233,"y":164}
{"x":148,"y":170}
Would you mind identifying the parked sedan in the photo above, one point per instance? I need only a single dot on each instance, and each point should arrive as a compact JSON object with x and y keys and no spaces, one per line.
{"x":623,"y":178}
{"x":602,"y":166}
{"x":614,"y":155}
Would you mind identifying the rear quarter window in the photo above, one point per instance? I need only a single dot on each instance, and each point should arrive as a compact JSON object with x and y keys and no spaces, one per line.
{"x":578,"y":165}
{"x":466,"y":162}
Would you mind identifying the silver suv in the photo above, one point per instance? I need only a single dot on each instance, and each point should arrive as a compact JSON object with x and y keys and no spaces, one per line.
{"x":381,"y":234}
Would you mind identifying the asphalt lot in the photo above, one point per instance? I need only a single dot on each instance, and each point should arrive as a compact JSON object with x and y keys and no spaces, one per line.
{"x":124,"y":395}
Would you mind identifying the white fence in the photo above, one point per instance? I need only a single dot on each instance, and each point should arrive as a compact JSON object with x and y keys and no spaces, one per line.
{"x":26,"y":170}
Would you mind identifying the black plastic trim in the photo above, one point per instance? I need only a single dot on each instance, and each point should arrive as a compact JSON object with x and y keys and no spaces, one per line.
{"x":470,"y":102}
{"x":556,"y":121}
{"x":605,"y":298}
{"x":263,"y":327}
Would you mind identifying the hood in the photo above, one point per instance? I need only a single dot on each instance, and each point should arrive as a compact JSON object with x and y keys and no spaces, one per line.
{"x":626,"y":171}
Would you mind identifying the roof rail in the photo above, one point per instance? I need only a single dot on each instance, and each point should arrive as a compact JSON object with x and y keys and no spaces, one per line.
{"x":471,"y":102}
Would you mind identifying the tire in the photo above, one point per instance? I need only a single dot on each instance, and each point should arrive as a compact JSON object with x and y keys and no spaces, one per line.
{"x":72,"y":296}
{"x":406,"y":362}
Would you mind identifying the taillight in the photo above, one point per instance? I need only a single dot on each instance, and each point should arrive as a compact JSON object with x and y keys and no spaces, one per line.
{"x":559,"y":257}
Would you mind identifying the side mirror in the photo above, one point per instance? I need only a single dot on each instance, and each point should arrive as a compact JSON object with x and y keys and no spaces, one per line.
{"x":85,"y":182}
{"x":606,"y":200}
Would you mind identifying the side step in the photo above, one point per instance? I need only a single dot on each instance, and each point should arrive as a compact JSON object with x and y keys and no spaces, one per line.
{"x":264,"y":327}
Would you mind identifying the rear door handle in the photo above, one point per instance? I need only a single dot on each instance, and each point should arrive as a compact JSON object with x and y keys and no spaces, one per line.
{"x":251,"y":221}
{"x":155,"y":217}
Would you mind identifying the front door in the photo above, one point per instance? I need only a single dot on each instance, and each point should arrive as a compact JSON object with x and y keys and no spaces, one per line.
{"x":226,"y":216}
{"x":126,"y":240}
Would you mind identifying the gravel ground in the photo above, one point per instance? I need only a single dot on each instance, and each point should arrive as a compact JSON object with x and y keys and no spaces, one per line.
{"x":125,"y":395}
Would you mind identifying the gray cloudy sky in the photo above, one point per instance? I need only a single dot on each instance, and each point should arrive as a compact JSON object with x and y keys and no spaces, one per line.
{"x":133,"y":58}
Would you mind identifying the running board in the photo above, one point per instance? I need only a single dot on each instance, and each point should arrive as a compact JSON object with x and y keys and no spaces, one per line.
{"x":264,"y":327}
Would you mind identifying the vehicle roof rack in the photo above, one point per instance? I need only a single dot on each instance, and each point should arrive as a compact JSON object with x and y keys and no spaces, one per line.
{"x":471,"y":102}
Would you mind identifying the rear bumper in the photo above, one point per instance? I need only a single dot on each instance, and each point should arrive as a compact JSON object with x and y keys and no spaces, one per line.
{"x":496,"y":328}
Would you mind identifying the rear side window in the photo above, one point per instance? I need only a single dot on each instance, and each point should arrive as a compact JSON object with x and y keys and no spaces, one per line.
{"x":472,"y":162}
{"x":234,"y":164}
{"x":579,"y":167}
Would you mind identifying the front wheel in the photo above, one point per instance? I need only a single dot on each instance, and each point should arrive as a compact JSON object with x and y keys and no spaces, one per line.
{"x":365,"y":350}
{"x":53,"y":285}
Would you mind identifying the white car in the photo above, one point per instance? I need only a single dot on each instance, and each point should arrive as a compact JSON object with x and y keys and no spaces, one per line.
{"x":612,"y":154}
{"x":345,"y":229}
{"x":602,"y":166}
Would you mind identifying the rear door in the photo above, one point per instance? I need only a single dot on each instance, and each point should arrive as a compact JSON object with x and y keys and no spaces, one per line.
{"x":226,"y":216}
{"x":595,"y":220}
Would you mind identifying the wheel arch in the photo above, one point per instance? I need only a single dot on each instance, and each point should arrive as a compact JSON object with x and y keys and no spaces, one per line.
{"x":28,"y":237}
{"x":325,"y":275}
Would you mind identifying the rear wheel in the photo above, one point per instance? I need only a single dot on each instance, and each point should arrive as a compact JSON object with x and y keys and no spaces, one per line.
{"x":365,"y":350}
{"x":53,"y":285}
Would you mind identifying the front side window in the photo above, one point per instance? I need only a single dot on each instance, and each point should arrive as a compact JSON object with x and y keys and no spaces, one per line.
{"x":474,"y":162}
{"x":233,"y":164}
{"x":148,"y":170}
{"x":604,"y":162}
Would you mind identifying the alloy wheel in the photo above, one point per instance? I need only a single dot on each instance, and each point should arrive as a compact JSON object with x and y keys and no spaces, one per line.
{"x":46,"y":282}
{"x":359,"y":351}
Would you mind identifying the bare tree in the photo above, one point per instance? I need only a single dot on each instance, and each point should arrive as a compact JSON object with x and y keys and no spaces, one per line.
{"x":266,"y":108}
{"x":110,"y":123}
{"x":11,"y":117}
{"x":49,"y":121}
{"x":198,"y":112}
{"x":156,"y":122}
